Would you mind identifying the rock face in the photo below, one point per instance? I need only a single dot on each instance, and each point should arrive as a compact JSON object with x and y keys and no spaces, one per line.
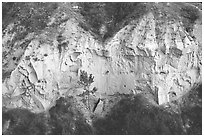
{"x":150,"y":52}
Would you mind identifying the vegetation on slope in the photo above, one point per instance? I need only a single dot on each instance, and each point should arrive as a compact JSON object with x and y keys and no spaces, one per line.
{"x":131,"y":115}
{"x":32,"y":15}
{"x":111,"y":15}
{"x":139,"y":116}
{"x":63,"y":119}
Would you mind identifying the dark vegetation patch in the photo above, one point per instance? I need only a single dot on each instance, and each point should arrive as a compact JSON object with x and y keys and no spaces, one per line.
{"x":191,"y":110}
{"x":113,"y":15}
{"x":131,"y":115}
{"x":34,"y":16}
{"x":63,"y":119}
{"x":189,"y":15}
{"x":23,"y":122}
{"x":139,"y":116}
{"x":31,"y":15}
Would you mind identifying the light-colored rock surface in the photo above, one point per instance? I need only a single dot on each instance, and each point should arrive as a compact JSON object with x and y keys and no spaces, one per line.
{"x":147,"y":53}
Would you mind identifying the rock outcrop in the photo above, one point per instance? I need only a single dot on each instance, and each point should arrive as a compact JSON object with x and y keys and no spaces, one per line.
{"x":152,"y":52}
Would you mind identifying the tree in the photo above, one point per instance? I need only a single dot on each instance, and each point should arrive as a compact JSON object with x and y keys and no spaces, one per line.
{"x":86,"y":81}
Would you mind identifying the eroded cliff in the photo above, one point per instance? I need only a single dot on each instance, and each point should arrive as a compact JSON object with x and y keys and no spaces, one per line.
{"x":153,"y":54}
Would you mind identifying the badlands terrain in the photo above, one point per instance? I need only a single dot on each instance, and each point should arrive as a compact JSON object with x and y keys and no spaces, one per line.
{"x":101,"y":68}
